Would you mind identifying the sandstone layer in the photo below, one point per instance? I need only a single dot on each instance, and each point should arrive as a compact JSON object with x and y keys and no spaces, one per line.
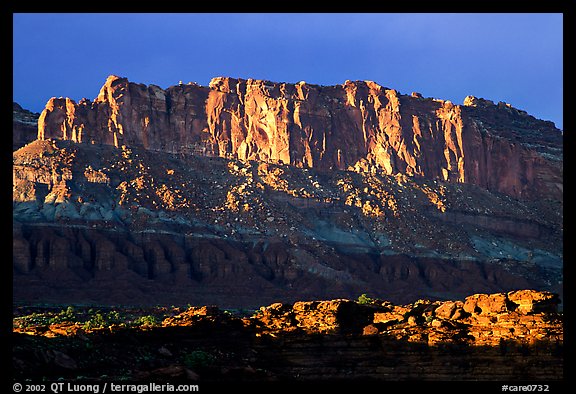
{"x":248,"y":192}
{"x":358,"y":124}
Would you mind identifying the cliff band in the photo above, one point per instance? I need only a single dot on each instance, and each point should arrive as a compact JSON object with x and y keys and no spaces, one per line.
{"x":357,"y":124}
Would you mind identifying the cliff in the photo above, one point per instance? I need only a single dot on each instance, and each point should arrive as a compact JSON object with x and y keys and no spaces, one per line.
{"x":357,"y":125}
{"x":250,"y":191}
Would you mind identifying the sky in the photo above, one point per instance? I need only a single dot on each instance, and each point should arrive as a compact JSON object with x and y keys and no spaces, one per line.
{"x":512,"y":57}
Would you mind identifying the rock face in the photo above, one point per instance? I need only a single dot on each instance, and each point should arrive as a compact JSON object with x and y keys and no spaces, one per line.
{"x":246,"y":193}
{"x":335,"y":316}
{"x":425,"y":340}
{"x":24,"y":126}
{"x":358,"y":124}
{"x":117,"y":267}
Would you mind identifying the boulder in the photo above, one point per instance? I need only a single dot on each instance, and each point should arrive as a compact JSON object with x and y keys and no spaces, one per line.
{"x":486,"y":304}
{"x":531,"y":301}
{"x":451,"y":310}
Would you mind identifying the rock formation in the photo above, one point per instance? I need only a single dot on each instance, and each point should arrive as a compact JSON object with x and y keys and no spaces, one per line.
{"x":358,"y":124}
{"x":24,"y":126}
{"x":247,"y":192}
{"x":523,"y":316}
{"x":250,"y":191}
{"x":513,"y":336}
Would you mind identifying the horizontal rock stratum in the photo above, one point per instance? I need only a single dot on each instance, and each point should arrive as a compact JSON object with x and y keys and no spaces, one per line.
{"x":248,"y":193}
{"x":358,"y":124}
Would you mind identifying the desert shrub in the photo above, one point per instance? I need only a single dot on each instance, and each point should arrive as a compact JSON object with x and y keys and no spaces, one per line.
{"x":65,"y":315}
{"x":148,"y":320}
{"x":96,"y":321}
{"x":198,"y":358}
{"x":33,"y":319}
{"x":114,"y":317}
{"x":365,"y":300}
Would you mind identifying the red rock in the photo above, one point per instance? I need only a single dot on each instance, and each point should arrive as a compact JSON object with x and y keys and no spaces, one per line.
{"x":387,"y":317}
{"x":334,"y":316}
{"x":412,"y":321}
{"x":357,"y":124}
{"x":195,"y":315}
{"x":370,"y":329}
{"x":117,"y":197}
{"x":486,"y":303}
{"x":450,"y":310}
{"x":530,"y":301}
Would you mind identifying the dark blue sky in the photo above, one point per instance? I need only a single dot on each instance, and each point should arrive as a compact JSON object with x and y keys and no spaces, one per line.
{"x":516,"y":58}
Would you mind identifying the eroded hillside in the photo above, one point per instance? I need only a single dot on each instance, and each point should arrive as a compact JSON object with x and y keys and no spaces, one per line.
{"x":135,"y":225}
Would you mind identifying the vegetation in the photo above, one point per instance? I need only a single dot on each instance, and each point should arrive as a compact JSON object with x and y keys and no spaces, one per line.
{"x":67,"y":315}
{"x":198,"y":358}
{"x":96,"y":321}
{"x":148,"y":320}
{"x":90,"y":318}
{"x":365,"y":300}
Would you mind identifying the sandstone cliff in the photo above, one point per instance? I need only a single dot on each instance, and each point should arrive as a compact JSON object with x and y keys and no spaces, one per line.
{"x":250,"y":191}
{"x":359,"y":125}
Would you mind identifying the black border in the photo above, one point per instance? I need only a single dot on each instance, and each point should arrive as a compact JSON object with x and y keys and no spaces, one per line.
{"x":566,"y":7}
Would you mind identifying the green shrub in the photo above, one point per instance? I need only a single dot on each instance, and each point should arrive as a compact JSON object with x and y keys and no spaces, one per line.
{"x":96,"y":321}
{"x":34,"y":319}
{"x":198,"y":358}
{"x":365,"y":300}
{"x":65,"y":315}
{"x":148,"y":320}
{"x":114,"y":317}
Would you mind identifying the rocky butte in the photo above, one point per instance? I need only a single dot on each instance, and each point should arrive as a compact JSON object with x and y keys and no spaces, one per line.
{"x":248,"y":192}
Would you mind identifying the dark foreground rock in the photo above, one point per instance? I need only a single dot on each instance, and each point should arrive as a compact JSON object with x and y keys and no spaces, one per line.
{"x":513,"y":336}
